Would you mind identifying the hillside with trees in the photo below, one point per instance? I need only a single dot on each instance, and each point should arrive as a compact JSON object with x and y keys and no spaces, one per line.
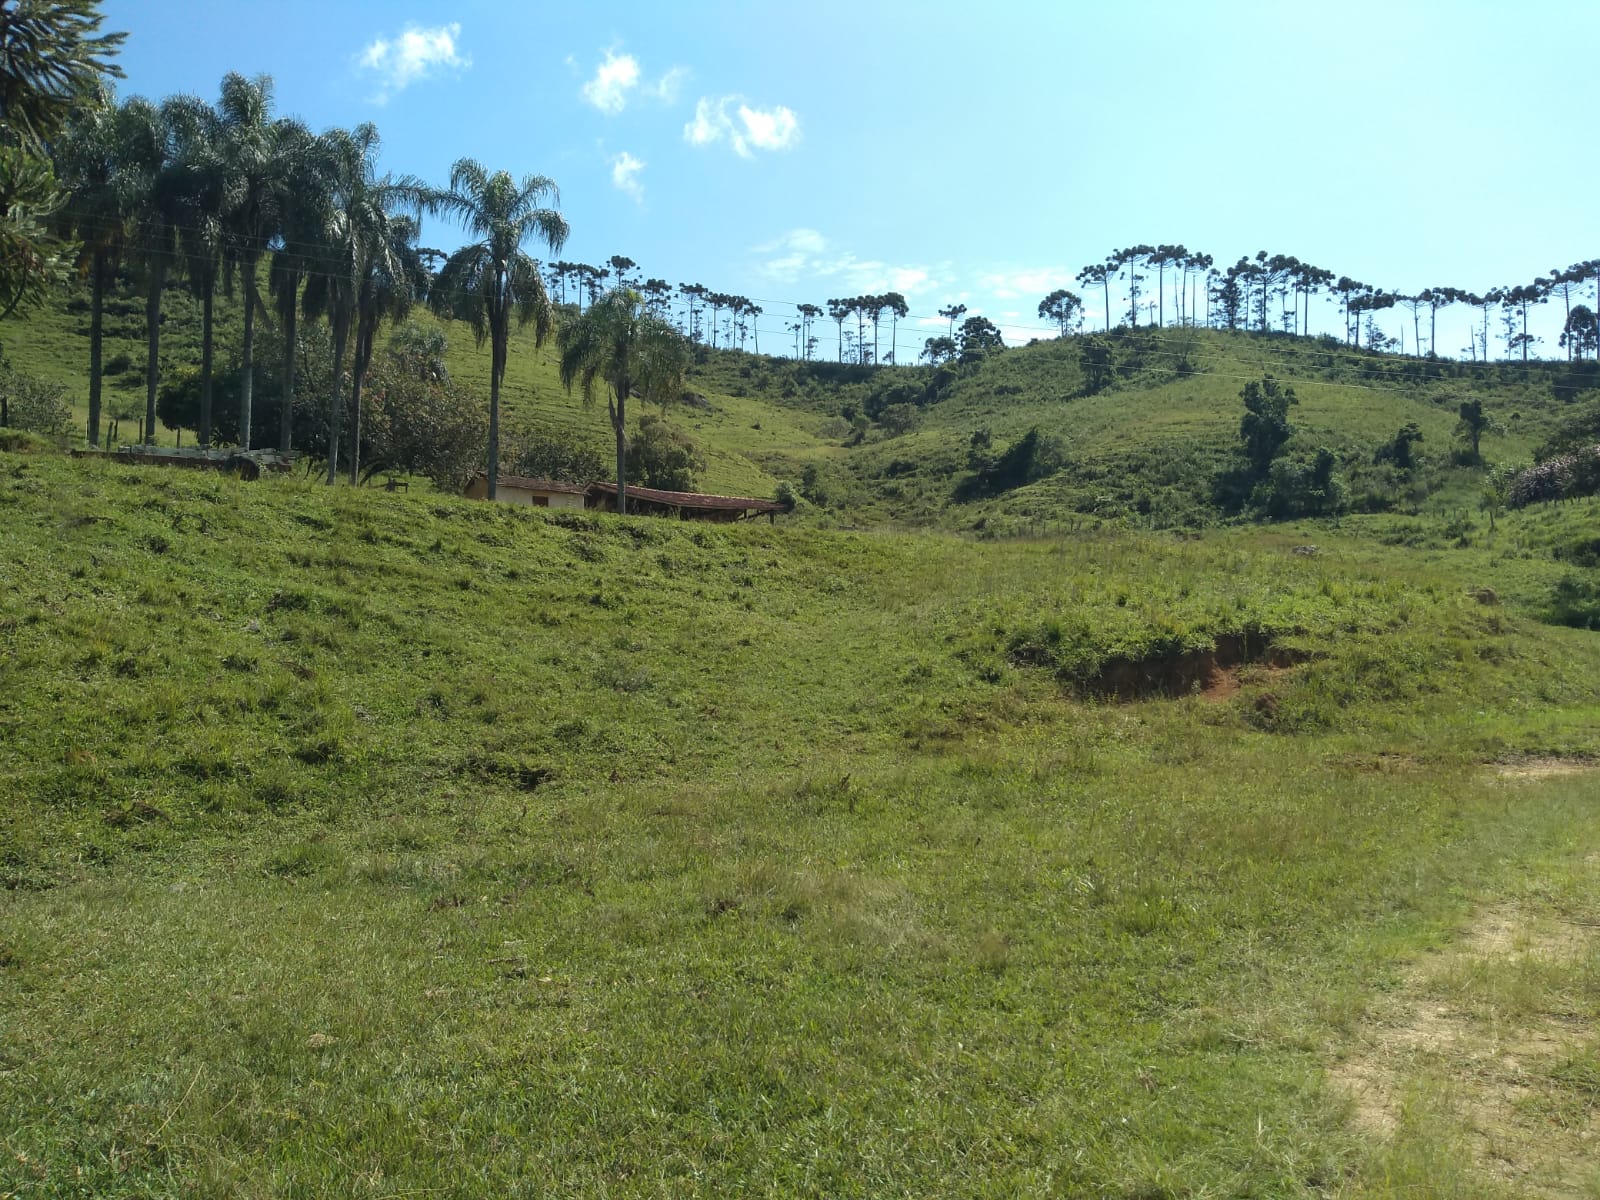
{"x":1155,"y":759}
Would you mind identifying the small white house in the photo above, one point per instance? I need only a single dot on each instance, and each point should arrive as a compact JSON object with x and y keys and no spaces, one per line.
{"x":538,"y":493}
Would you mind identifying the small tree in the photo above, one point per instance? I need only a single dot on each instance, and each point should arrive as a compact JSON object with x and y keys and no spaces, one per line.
{"x":552,"y":454}
{"x":1032,"y":457}
{"x":1064,"y":308}
{"x":422,"y":425}
{"x":1398,"y":452}
{"x":1496,"y":493}
{"x":664,"y":457}
{"x":979,"y":338}
{"x":1581,"y":335}
{"x":1265,"y":427}
{"x":32,"y":404}
{"x":1098,"y":363}
{"x":1473,"y":424}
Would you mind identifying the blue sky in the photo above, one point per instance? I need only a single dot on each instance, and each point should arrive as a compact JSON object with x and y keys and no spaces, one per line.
{"x":979,"y":154}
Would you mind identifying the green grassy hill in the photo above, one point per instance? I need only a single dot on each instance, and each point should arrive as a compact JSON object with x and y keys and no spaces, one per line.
{"x":361,"y":844}
{"x":1147,"y":450}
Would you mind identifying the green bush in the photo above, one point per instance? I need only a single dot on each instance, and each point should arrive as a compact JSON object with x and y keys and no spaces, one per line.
{"x":662,"y":456}
{"x":33,"y":404}
{"x":1575,"y":601}
{"x":1027,"y":460}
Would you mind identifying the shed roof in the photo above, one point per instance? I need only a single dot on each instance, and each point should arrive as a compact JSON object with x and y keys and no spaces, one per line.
{"x":689,"y":499}
{"x":528,"y":484}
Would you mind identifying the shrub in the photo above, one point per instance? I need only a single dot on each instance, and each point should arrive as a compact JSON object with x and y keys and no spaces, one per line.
{"x":1295,"y":488}
{"x":1398,"y":452}
{"x":1575,"y":601}
{"x":33,"y":404}
{"x":548,"y":454}
{"x":1566,"y":476}
{"x":812,"y":487}
{"x":663,"y":457}
{"x":436,"y":429}
{"x":898,"y":419}
{"x":1027,"y":460}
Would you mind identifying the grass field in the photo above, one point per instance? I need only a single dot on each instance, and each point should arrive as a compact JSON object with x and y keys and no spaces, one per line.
{"x":378,"y":845}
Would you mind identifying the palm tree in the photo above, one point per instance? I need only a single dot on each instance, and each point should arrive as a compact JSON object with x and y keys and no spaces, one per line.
{"x":257,"y":152}
{"x":392,"y":278}
{"x":201,"y":180}
{"x":622,"y":342}
{"x":95,"y":171}
{"x":303,"y":217}
{"x":333,"y":286}
{"x":53,"y":58}
{"x":491,"y":279}
{"x":158,"y":212}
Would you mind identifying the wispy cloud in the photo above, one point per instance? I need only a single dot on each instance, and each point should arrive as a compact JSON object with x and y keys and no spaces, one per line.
{"x":666,"y":88}
{"x":625,"y":170}
{"x":806,"y":254}
{"x":619,"y":77}
{"x":744,"y":128}
{"x":1026,"y":283}
{"x":414,"y":54}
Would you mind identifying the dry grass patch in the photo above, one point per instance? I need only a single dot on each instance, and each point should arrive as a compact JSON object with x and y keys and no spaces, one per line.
{"x":1545,"y":768}
{"x":1489,"y":1036}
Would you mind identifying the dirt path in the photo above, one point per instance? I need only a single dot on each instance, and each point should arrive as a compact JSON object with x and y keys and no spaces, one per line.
{"x":1489,"y":1042}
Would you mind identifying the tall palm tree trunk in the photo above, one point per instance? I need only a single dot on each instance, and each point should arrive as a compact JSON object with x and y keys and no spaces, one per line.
{"x":494,"y":428}
{"x":247,"y":356}
{"x":206,"y":304}
{"x":355,"y":426}
{"x":365,"y":330}
{"x":286,"y":417}
{"x":152,"y":369}
{"x":341,"y":334}
{"x":499,"y":336}
{"x":619,"y":422}
{"x":96,"y":318}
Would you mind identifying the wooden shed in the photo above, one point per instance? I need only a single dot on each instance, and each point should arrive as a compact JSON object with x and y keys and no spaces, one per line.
{"x":688,"y":506}
{"x":539,"y":493}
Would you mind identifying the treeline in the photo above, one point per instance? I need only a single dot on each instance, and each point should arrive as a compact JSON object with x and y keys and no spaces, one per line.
{"x":225,"y":197}
{"x":1274,"y":292}
{"x":1154,"y":286}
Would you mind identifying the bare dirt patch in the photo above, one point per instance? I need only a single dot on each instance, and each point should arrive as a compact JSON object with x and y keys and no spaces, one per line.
{"x":1484,"y":1028}
{"x":1227,"y":665}
{"x":1545,"y":768}
{"x":1223,"y":685}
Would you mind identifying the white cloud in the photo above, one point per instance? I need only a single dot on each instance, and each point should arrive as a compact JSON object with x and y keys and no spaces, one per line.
{"x":625,"y":169}
{"x":669,"y":85}
{"x":613,"y":80}
{"x":744,"y":128}
{"x":414,"y":54}
{"x":1030,"y":282}
{"x":620,"y":77}
{"x":805,"y":253}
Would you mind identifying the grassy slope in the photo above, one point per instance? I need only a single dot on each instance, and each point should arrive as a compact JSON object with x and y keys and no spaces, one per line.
{"x":53,"y":344}
{"x":363,"y":844}
{"x":1147,"y":449}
